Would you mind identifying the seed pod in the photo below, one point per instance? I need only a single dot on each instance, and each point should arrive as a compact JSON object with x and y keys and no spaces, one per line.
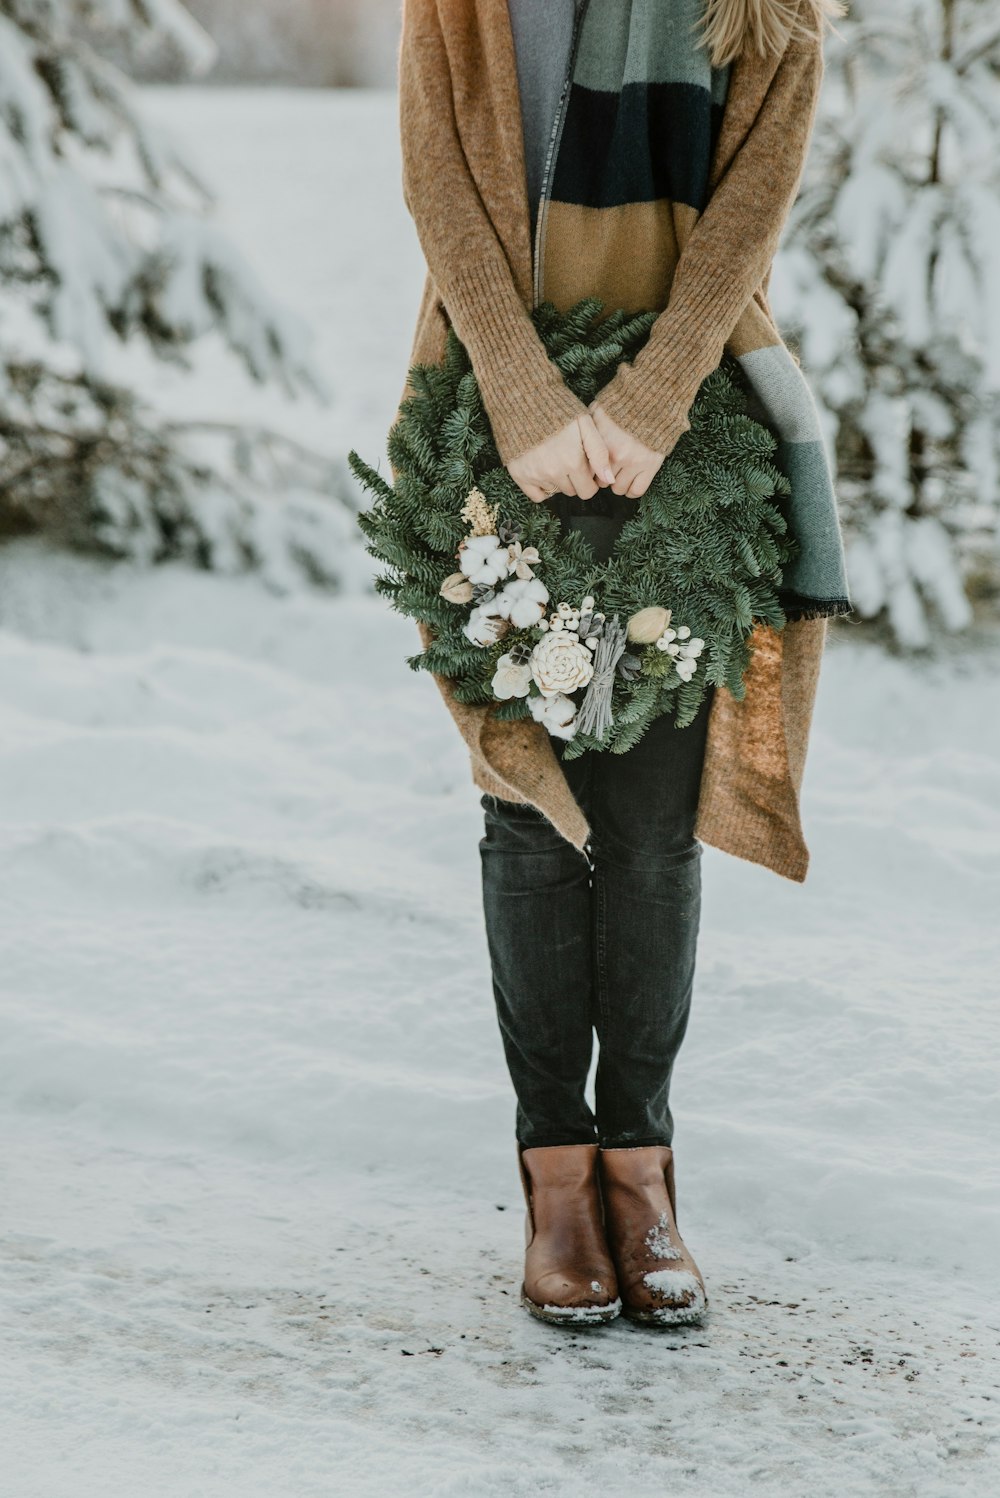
{"x":456,"y":588}
{"x":645,"y":627}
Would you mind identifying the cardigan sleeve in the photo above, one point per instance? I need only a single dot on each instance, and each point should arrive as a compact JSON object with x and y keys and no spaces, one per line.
{"x":726,"y":258}
{"x":523,"y":391}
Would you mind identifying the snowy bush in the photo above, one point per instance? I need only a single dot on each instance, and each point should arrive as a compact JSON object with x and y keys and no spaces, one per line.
{"x":888,"y":281}
{"x":104,"y":240}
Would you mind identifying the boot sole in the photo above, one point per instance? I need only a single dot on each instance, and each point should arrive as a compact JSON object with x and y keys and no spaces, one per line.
{"x":669,"y":1316}
{"x":572,"y":1315}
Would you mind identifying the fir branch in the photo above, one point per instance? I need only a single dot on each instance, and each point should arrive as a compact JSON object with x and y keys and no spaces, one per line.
{"x":707,"y":540}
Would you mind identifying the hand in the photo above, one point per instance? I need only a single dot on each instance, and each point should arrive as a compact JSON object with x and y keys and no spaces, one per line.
{"x":635,"y":465}
{"x":573,"y":461}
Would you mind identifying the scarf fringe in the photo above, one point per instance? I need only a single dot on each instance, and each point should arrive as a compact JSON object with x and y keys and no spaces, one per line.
{"x":797,"y":609}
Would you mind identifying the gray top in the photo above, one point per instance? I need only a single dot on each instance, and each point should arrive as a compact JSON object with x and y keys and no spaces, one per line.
{"x":543,"y":36}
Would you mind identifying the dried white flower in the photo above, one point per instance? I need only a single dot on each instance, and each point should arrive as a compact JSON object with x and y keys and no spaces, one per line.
{"x":511,"y":678}
{"x":521,"y":559}
{"x":560,"y":663}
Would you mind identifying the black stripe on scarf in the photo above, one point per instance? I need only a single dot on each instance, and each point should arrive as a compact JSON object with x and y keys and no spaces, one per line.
{"x":601,"y":163}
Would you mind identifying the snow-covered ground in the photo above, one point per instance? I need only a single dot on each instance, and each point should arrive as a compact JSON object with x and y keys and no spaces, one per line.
{"x":262,"y":1227}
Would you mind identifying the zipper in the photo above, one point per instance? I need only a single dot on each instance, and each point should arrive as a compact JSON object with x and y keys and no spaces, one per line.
{"x":554,"y":140}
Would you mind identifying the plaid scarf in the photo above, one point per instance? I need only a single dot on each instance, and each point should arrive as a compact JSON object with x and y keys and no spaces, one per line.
{"x":627,"y":177}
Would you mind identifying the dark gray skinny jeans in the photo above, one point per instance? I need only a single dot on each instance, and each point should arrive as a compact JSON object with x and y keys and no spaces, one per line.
{"x":601,"y":940}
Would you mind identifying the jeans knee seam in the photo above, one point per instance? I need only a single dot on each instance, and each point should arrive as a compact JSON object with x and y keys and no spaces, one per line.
{"x":600,"y":950}
{"x":660,"y":862}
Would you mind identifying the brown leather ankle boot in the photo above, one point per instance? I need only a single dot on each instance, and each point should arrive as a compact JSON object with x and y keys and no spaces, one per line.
{"x":659,"y":1281}
{"x":569,"y":1276}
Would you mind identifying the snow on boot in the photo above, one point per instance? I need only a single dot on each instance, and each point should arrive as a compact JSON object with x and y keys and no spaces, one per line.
{"x":569,"y":1277}
{"x":659,"y":1281}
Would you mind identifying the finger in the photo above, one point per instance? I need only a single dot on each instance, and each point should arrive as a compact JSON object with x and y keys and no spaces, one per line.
{"x":596,"y":449}
{"x":586,"y":485}
{"x":599,"y":418}
{"x":567,"y":485}
{"x":641,"y":482}
{"x":534,"y":492}
{"x":623,"y":479}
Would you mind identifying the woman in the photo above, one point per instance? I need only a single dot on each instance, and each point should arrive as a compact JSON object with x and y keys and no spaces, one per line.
{"x":647,"y":155}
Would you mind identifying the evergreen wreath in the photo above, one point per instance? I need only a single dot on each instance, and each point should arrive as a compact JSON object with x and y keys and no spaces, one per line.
{"x":530,"y":622}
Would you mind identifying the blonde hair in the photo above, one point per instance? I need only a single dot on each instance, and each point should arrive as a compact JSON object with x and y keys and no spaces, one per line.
{"x":730,"y":27}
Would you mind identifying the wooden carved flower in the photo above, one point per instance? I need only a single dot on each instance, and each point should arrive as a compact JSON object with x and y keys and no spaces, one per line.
{"x":560,"y":663}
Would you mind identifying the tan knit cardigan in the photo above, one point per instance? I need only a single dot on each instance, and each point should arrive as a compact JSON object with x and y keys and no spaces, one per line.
{"x":464,"y":185}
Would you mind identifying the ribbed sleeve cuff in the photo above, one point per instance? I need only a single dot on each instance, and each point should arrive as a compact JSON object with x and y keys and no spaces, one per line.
{"x":525,"y":396}
{"x":651,"y":397}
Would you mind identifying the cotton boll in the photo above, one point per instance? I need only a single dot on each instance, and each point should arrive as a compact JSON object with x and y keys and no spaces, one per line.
{"x":561,"y":711}
{"x":483,"y":628}
{"x":490,"y":572}
{"x":523,"y":602}
{"x":524,"y":613}
{"x":556,"y":713}
{"x":480,"y":546}
{"x":483,"y":559}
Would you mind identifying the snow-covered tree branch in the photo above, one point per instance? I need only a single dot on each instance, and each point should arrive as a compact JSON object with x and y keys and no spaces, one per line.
{"x":889,"y":281}
{"x":104,"y":239}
